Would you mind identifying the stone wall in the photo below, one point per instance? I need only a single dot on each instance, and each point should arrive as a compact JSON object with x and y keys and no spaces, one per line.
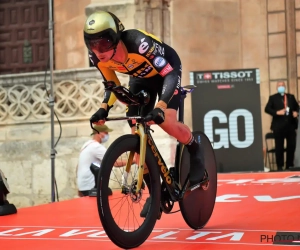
{"x":222,"y":35}
{"x":69,"y":48}
{"x":25,"y":131}
{"x":69,"y":18}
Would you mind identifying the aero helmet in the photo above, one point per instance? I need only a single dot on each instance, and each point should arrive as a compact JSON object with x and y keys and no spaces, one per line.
{"x":102,"y":31}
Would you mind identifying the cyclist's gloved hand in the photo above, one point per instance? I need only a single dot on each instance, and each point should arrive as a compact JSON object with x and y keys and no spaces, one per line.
{"x":157,"y":115}
{"x":101,"y":114}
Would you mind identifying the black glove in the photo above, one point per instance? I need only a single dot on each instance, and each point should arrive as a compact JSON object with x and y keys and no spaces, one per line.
{"x":101,"y":114}
{"x":157,"y":115}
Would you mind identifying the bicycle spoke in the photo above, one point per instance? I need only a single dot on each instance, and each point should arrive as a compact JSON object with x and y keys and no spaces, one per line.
{"x":126,"y":208}
{"x":120,"y":213}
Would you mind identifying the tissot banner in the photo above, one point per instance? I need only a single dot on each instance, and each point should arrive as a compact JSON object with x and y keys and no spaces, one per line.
{"x":226,"y":107}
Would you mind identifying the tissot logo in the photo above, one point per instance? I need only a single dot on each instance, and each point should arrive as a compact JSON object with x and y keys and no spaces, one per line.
{"x":225,"y":75}
{"x":206,"y":76}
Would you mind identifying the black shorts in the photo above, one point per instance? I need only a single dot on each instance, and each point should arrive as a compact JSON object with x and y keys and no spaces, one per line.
{"x":153,"y":86}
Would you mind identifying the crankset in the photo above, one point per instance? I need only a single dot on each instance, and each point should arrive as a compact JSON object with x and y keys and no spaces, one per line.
{"x":166,"y":203}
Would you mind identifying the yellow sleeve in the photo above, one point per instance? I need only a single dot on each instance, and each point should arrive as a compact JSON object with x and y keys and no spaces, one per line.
{"x":109,"y":75}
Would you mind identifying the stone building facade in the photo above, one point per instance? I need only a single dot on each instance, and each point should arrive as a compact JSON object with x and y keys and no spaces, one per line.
{"x":207,"y":34}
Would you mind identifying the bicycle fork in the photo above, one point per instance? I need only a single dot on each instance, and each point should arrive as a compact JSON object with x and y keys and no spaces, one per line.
{"x":142,"y":169}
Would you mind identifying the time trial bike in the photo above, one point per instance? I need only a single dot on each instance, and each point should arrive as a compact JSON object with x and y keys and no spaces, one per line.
{"x":132,"y":157}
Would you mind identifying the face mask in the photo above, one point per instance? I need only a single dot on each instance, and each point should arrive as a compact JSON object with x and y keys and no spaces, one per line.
{"x":105,"y":138}
{"x":281,"y":89}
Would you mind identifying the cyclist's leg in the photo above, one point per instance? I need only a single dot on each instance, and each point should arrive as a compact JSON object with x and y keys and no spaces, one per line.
{"x":183,"y":134}
{"x":135,"y":86}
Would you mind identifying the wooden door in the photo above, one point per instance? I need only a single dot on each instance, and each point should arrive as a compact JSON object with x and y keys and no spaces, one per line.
{"x":24,"y":36}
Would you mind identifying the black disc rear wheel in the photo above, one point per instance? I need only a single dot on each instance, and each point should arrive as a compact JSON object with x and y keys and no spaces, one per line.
{"x":197,"y":207}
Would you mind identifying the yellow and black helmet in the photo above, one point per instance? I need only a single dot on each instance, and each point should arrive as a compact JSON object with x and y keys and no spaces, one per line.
{"x":102,"y":31}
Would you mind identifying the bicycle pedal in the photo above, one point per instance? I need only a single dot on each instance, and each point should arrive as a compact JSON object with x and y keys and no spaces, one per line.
{"x":190,"y":189}
{"x":194,"y":187}
{"x":205,"y":182}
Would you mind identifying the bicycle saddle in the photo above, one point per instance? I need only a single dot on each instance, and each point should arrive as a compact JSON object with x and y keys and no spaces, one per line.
{"x":124,"y":95}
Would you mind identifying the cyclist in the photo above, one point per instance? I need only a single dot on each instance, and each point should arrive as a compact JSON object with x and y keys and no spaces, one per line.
{"x":153,"y":66}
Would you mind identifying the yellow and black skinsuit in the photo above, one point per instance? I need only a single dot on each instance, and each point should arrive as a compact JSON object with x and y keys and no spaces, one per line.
{"x":152,"y":66}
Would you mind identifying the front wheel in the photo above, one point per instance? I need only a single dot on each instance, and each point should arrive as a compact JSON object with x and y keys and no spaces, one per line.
{"x":120,"y":212}
{"x":197,"y":207}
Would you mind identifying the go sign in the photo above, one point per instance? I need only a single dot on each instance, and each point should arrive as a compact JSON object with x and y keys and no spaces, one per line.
{"x":229,"y":134}
{"x":226,"y":107}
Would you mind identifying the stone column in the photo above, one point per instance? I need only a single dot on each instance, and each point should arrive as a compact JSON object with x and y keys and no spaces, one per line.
{"x":291,"y":47}
{"x":153,"y":16}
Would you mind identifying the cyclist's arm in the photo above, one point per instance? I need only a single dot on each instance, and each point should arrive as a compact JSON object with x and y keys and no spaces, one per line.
{"x":170,"y":81}
{"x":169,"y":86}
{"x":153,"y":50}
{"x":108,"y":75}
{"x":109,"y":97}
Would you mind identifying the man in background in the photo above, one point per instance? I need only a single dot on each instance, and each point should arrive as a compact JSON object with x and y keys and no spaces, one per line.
{"x":284,"y":109}
{"x":91,"y":153}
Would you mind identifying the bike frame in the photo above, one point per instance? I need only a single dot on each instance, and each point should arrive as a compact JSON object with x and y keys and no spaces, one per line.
{"x":143,"y":131}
